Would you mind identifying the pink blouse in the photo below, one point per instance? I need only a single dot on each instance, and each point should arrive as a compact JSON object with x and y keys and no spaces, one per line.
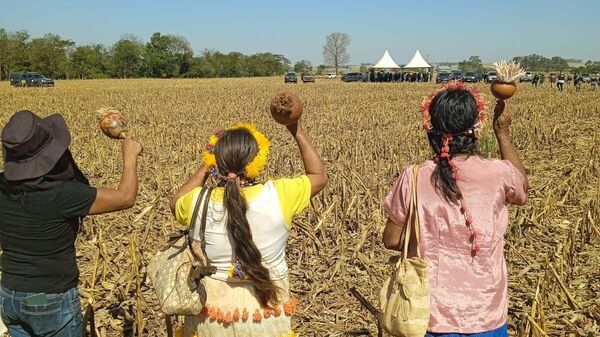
{"x":468,"y":294}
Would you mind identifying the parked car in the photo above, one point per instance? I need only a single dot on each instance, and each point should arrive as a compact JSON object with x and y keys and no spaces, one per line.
{"x":586,"y":78}
{"x":352,"y":77}
{"x":290,"y":77}
{"x":527,"y":77}
{"x":491,"y":77}
{"x":470,"y":77}
{"x":330,"y":75}
{"x":308,"y":77}
{"x":30,"y":79}
{"x":457,"y":75}
{"x":442,"y":77}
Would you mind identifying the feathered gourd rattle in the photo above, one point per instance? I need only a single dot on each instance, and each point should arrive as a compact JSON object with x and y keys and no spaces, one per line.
{"x":504,"y":87}
{"x":112,"y":123}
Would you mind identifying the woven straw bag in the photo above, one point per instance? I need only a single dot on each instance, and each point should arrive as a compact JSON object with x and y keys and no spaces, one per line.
{"x":405,"y":294}
{"x":177,"y":269}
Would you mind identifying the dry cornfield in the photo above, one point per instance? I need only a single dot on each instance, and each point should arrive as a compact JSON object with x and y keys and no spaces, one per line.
{"x":366,"y":134}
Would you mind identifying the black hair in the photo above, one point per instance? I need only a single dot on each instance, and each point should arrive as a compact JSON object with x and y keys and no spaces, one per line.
{"x":234,"y":150}
{"x":452,"y":112}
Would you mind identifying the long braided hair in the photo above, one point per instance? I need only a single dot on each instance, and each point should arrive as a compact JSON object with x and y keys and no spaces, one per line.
{"x":453,"y":117}
{"x":234,"y":150}
{"x":454,"y":129}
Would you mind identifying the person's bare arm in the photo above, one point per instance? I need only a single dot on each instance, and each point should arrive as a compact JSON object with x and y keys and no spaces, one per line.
{"x":196,"y":180}
{"x":313,"y":165}
{"x":110,"y":199}
{"x":392,"y":236}
{"x":508,"y":151}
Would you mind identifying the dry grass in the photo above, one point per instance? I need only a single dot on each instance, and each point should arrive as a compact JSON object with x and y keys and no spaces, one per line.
{"x":366,"y":133}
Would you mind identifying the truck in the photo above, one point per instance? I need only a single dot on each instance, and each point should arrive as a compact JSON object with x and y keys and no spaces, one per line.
{"x":308,"y":77}
{"x":30,"y":79}
{"x":527,"y":77}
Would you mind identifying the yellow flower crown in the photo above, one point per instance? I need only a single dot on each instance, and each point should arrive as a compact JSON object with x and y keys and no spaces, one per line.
{"x":254,"y":167}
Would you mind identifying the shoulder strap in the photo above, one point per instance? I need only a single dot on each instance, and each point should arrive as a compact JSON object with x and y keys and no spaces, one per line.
{"x":199,"y":269}
{"x":203,"y":191}
{"x":413,"y":216}
{"x":201,"y":198}
{"x":203,"y":220}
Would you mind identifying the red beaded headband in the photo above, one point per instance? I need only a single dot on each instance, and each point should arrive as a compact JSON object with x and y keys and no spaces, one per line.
{"x":454,"y":85}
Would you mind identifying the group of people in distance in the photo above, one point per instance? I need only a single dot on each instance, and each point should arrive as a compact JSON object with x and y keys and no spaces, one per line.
{"x":462,"y":206}
{"x":389,"y":76}
{"x":559,"y":80}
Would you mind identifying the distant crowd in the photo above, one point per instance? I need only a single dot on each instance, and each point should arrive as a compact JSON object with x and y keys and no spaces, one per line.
{"x":559,"y":80}
{"x":390,"y":76}
{"x":398,"y":77}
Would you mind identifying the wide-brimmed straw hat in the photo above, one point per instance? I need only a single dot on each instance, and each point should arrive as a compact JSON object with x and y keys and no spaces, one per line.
{"x":31,"y":145}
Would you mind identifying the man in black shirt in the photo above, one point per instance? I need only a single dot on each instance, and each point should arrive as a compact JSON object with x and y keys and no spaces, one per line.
{"x":43,"y":199}
{"x":561,"y":81}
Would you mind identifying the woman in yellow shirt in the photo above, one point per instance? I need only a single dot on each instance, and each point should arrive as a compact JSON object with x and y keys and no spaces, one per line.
{"x":247,"y":227}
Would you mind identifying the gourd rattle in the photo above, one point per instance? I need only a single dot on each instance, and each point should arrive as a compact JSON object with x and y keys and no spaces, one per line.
{"x":504,"y":87}
{"x":286,"y":108}
{"x":112,"y":123}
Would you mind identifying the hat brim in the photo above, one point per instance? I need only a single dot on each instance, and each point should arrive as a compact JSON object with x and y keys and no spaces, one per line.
{"x":43,"y":161}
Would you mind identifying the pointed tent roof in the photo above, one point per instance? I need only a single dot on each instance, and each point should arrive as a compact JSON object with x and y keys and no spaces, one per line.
{"x":386,"y":62}
{"x":417,"y":61}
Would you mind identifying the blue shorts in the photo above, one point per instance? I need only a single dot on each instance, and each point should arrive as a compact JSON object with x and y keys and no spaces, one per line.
{"x":500,"y":332}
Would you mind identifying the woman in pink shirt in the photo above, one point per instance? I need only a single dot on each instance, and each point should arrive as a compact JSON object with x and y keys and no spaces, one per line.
{"x":463,"y":211}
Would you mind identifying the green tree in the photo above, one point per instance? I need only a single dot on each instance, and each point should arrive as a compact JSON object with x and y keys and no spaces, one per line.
{"x":281,"y":65}
{"x":234,"y":65}
{"x":48,"y":55}
{"x":164,"y":55}
{"x":126,"y":57}
{"x":321,"y":69}
{"x":208,"y":64}
{"x":536,"y":62}
{"x":303,"y":66}
{"x":167,"y":56}
{"x":158,"y":60}
{"x":183,"y":54}
{"x":473,"y":63}
{"x":4,"y":62}
{"x":267,"y":64}
{"x":13,"y":52}
{"x":558,"y":63}
{"x":88,"y":62}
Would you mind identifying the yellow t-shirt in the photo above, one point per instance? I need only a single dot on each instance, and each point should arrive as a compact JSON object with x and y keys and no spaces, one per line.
{"x":271,"y":208}
{"x":293,"y":195}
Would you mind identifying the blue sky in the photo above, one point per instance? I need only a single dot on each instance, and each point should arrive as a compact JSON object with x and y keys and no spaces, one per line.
{"x":442,"y":30}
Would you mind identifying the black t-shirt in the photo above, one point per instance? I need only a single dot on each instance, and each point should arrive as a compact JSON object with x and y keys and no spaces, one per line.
{"x":37,"y":237}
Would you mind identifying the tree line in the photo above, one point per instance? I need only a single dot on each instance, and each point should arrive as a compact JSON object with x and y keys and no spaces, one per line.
{"x":164,"y":56}
{"x":534,"y":62}
{"x":171,"y":56}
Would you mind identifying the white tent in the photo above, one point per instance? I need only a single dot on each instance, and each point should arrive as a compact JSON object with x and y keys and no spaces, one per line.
{"x":417,"y":62}
{"x":386,"y":62}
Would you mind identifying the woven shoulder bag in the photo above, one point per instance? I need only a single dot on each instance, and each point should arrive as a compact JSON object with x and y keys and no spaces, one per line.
{"x":177,"y":269}
{"x":405,"y":294}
